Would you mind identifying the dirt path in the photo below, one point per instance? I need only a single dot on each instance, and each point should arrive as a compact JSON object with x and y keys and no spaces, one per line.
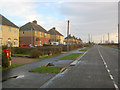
{"x":22,"y":60}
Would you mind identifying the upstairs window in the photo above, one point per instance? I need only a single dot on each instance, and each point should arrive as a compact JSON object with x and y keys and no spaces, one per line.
{"x":45,"y":34}
{"x":23,"y":32}
{"x":9,"y":29}
{"x":15,"y":31}
{"x":35,"y":33}
{"x":40,"y":34}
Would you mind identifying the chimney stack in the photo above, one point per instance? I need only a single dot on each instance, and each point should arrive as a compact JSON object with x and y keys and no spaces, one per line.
{"x":53,"y":27}
{"x":35,"y":22}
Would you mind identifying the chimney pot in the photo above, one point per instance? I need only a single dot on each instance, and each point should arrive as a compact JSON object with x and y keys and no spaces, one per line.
{"x":35,"y":22}
{"x":53,"y":27}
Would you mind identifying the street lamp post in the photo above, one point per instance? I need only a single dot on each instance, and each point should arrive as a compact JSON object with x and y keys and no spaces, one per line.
{"x":67,"y":37}
{"x":118,"y":37}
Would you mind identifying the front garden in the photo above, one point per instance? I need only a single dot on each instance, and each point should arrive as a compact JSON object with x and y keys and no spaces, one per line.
{"x":37,"y":53}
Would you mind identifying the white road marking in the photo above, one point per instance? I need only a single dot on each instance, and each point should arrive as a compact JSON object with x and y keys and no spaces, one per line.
{"x":20,"y":76}
{"x":111,"y":77}
{"x":108,"y":70}
{"x":77,"y":61}
{"x":106,"y":66}
{"x":115,"y":85}
{"x":82,"y":56}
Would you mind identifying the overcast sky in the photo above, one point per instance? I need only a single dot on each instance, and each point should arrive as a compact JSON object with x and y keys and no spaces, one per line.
{"x":93,"y":17}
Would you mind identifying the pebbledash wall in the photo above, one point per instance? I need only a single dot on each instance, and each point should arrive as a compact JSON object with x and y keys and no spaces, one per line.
{"x":8,"y":35}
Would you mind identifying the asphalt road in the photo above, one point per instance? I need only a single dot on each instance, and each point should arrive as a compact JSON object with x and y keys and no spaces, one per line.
{"x":28,"y":79}
{"x":98,"y":68}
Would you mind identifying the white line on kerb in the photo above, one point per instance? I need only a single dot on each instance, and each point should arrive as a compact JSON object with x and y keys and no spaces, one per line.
{"x":111,"y":77}
{"x":81,"y":57}
{"x":108,"y":70}
{"x":115,"y":85}
{"x":106,"y":66}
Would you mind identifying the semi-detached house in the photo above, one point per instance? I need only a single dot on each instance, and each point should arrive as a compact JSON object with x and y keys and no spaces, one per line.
{"x":9,"y":33}
{"x":33,"y":34}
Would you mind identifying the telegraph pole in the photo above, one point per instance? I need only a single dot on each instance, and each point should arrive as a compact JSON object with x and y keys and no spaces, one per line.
{"x":103,"y":39}
{"x":91,"y":38}
{"x":67,"y":36}
{"x":118,"y":37}
{"x":108,"y":38}
{"x":88,"y":38}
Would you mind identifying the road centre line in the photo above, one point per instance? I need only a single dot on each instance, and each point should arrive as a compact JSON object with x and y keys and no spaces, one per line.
{"x":115,"y":85}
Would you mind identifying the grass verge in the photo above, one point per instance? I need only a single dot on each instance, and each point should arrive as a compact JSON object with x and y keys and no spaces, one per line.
{"x":71,"y":56}
{"x":12,"y":66}
{"x":49,"y":69}
{"x":86,"y":49}
{"x":21,"y":55}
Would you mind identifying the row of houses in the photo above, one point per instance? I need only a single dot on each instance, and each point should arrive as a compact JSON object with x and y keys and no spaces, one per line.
{"x":31,"y":34}
{"x":72,"y":40}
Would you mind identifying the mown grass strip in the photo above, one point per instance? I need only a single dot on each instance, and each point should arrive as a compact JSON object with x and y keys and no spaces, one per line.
{"x":71,"y":56}
{"x":21,"y":55}
{"x":48,"y":69}
{"x":12,"y":66}
{"x":84,"y":49}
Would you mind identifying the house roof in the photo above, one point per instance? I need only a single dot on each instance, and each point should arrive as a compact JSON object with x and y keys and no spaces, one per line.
{"x":80,"y":39}
{"x":53,"y":31}
{"x":6,"y":22}
{"x":69,"y":36}
{"x":34,"y":26}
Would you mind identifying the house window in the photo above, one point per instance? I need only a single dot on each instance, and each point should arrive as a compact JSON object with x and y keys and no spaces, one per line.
{"x":9,"y":29}
{"x":40,"y":34}
{"x":23,"y":32}
{"x":15,"y":42}
{"x":0,"y":42}
{"x":40,"y":42}
{"x":45,"y":34}
{"x":0,"y":28}
{"x":15,"y":31}
{"x":9,"y":43}
{"x":35,"y":33}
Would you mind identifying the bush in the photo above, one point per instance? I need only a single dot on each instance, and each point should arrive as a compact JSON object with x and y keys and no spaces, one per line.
{"x":35,"y":53}
{"x":38,"y":51}
{"x":71,"y":47}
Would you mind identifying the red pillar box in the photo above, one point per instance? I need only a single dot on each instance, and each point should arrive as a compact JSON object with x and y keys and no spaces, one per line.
{"x":7,"y":52}
{"x":8,"y":56}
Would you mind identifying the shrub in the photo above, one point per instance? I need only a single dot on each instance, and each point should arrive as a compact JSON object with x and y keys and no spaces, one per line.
{"x":35,"y":53}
